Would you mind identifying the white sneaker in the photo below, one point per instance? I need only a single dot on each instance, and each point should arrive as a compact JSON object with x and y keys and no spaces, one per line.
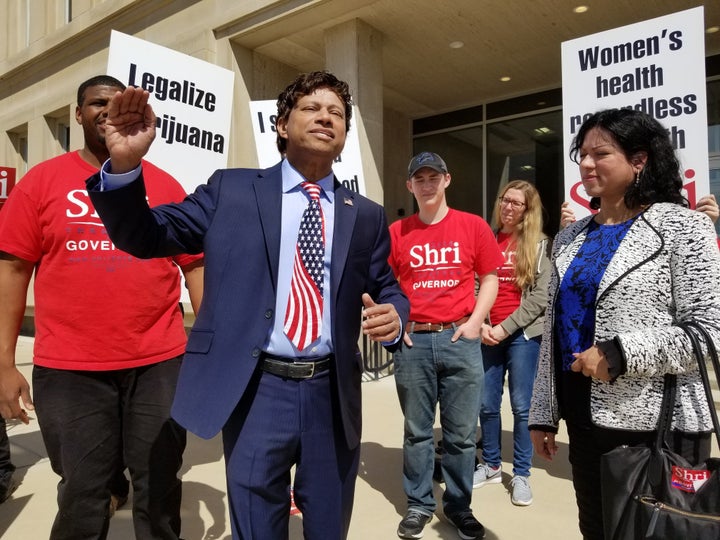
{"x":485,"y":474}
{"x":521,"y":494}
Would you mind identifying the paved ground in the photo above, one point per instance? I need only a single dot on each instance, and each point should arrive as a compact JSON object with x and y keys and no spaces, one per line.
{"x":379,"y":502}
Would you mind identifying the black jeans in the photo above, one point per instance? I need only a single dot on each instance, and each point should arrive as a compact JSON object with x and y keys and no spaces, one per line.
{"x":6,"y":467}
{"x":588,"y":444}
{"x":94,"y":422}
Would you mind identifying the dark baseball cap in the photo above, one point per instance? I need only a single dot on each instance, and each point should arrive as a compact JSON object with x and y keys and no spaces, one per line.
{"x":426,"y":159}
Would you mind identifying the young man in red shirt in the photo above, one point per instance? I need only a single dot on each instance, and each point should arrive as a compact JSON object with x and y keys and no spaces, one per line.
{"x":109,"y":337}
{"x":436,"y":255}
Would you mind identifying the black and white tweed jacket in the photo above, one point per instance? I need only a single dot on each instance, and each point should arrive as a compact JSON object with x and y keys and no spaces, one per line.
{"x":666,"y":270}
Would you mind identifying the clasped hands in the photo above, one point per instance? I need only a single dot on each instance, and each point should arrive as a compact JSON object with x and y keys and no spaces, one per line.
{"x":592,"y":363}
{"x":492,"y":335}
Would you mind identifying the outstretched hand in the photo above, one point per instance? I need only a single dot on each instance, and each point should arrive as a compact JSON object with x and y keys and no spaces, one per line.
{"x":129,"y":129}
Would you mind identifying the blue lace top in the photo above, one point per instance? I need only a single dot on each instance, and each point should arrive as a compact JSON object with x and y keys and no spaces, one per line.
{"x":575,"y":310}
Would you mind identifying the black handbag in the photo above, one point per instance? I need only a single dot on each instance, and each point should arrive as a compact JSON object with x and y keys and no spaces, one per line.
{"x":649,"y":492}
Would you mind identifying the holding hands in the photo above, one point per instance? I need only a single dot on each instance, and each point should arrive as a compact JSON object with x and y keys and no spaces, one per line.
{"x":492,"y":335}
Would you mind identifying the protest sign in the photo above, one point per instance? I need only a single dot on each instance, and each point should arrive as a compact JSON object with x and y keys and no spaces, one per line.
{"x":656,"y":66}
{"x":192,"y":100}
{"x":347,"y":166}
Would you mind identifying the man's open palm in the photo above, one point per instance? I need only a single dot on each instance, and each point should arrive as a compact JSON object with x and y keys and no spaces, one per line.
{"x":129,"y":128}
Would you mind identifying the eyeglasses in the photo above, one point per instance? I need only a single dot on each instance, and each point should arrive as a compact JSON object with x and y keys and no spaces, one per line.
{"x":517,"y":205}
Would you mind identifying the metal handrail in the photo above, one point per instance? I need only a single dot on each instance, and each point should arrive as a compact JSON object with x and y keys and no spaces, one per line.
{"x":376,"y":358}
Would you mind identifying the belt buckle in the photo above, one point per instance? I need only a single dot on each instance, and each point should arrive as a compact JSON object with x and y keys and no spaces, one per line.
{"x":306,"y":364}
{"x":441,"y":327}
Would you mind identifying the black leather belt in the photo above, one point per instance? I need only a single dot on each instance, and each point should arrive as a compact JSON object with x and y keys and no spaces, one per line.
{"x":290,"y":368}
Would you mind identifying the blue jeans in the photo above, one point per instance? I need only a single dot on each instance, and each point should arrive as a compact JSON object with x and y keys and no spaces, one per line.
{"x":435,"y":370}
{"x":518,"y":357}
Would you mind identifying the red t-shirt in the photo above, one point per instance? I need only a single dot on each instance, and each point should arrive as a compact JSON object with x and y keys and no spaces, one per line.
{"x":509,"y":296}
{"x":96,"y":307}
{"x":436,"y":264}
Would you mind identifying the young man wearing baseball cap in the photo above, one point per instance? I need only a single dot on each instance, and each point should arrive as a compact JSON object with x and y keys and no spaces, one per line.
{"x":435,"y":255}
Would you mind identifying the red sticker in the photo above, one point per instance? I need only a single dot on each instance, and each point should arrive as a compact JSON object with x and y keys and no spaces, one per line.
{"x":689,"y":480}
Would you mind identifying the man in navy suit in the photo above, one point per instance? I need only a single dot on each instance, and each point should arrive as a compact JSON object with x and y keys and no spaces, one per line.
{"x":278,"y":405}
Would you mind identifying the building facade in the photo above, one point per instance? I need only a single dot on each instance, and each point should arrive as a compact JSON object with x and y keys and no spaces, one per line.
{"x":477,"y":82}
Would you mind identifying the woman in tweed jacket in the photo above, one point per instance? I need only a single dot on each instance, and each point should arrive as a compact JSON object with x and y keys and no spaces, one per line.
{"x":621,"y":282}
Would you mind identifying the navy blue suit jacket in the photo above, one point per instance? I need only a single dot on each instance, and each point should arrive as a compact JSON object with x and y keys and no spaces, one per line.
{"x":235,"y":220}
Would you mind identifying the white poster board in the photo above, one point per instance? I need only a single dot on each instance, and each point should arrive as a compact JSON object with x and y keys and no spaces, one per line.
{"x":347,"y":166}
{"x":656,"y":66}
{"x":192,"y":100}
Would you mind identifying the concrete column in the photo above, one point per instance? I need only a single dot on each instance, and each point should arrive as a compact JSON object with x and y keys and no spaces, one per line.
{"x":77,"y":138}
{"x":39,"y":140}
{"x":399,"y":202}
{"x":353,"y":52}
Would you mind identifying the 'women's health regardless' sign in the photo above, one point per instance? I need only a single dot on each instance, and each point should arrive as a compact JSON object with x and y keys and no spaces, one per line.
{"x":655,"y":66}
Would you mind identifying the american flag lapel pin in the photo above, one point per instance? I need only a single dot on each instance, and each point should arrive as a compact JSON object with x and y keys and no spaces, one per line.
{"x":348,"y":201}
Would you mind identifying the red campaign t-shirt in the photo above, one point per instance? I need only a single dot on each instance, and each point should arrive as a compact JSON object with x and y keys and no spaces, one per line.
{"x":96,"y":307}
{"x":436,"y":264}
{"x":509,"y":296}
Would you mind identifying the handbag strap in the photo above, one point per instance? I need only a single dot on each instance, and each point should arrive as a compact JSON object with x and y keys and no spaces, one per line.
{"x":690,"y":328}
{"x":655,"y":466}
{"x":666,"y":411}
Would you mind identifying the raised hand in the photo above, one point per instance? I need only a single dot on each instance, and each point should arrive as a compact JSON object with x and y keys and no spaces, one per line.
{"x":567,"y":215}
{"x":129,"y":129}
{"x":708,"y":205}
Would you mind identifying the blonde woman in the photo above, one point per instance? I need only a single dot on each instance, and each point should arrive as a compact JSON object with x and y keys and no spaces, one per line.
{"x":511,"y":340}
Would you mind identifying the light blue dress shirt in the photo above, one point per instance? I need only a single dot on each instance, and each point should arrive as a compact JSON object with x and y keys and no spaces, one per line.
{"x":294,"y":202}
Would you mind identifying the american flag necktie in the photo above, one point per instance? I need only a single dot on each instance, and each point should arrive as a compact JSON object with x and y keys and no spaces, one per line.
{"x":303,"y":316}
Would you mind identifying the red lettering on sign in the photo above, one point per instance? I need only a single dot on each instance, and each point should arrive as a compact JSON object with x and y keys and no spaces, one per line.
{"x":7,"y":182}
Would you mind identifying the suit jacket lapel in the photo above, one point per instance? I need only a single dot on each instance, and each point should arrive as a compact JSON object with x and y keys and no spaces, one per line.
{"x":345,"y":216}
{"x":268,"y":192}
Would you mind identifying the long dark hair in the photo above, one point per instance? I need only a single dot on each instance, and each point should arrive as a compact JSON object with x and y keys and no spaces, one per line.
{"x":635,"y":132}
{"x":305,"y":85}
